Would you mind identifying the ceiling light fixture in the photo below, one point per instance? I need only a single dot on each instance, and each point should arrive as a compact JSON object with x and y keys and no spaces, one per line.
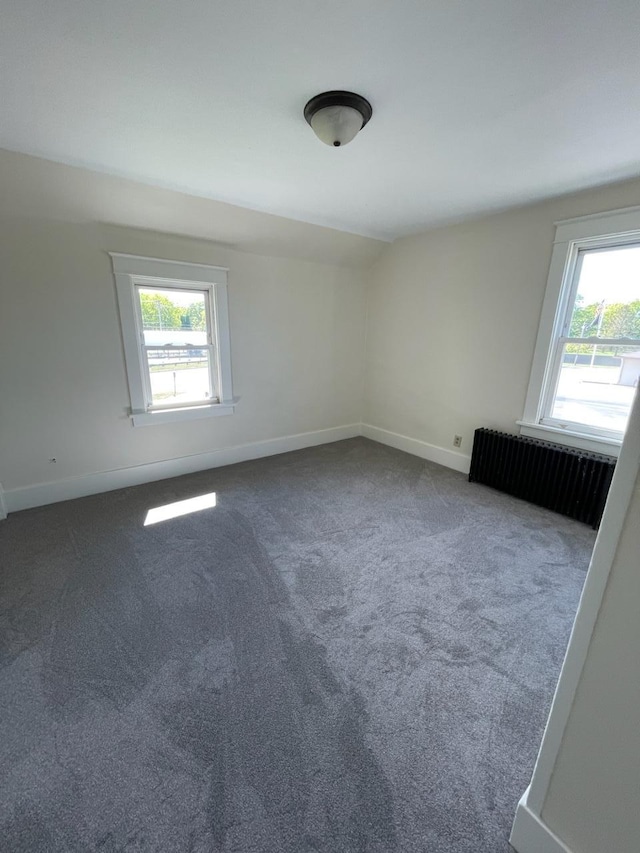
{"x":336,"y":117}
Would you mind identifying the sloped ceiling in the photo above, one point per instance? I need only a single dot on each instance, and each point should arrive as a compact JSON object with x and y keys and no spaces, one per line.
{"x":477,"y":105}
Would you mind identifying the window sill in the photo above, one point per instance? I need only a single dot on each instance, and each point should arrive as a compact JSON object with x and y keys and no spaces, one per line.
{"x":190,"y":413}
{"x":571,"y":438}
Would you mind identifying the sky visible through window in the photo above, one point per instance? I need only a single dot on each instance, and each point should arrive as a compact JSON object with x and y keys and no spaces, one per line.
{"x":611,"y":274}
{"x":596,"y":384}
{"x":175,"y":334}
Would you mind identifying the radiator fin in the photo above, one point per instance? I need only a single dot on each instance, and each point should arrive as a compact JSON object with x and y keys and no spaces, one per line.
{"x":570,"y":481}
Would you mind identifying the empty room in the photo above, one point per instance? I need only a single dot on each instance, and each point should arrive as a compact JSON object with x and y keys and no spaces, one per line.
{"x":319,"y":442}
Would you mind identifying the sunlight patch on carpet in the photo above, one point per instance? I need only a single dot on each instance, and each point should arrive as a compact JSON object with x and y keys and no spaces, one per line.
{"x":178,"y":508}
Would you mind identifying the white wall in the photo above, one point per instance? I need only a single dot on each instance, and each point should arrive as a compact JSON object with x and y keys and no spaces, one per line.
{"x":583,"y":796}
{"x":592,"y":801}
{"x":452,"y":321}
{"x":297,"y":330}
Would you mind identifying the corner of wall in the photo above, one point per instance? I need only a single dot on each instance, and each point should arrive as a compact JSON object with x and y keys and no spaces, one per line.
{"x":531,"y":835}
{"x":432,"y":452}
{"x":3,"y":506}
{"x":41,"y":494}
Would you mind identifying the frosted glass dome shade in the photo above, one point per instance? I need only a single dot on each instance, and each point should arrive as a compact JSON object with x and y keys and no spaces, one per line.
{"x":337,"y":116}
{"x":337,"y":125}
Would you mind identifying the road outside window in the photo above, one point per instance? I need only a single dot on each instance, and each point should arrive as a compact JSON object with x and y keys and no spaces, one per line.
{"x":178,"y":346}
{"x":599,"y":354}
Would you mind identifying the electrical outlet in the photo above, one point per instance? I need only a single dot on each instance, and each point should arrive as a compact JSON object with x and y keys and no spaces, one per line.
{"x":457,"y":440}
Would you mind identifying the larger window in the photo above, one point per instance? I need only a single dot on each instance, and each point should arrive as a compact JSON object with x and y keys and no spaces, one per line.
{"x":176,"y":338}
{"x":587,"y":362}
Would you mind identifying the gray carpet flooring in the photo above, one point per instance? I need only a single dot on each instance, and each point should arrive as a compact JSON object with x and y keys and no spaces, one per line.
{"x":354,"y":650}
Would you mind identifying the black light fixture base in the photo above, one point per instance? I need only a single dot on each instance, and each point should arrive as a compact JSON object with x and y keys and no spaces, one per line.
{"x":338,"y":98}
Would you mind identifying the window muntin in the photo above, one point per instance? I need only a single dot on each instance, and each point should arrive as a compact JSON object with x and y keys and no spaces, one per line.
{"x":594,"y":364}
{"x":176,"y":338}
{"x":178,"y":346}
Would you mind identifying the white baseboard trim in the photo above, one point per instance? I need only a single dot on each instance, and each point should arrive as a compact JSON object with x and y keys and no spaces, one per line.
{"x":432,"y":452}
{"x":41,"y":494}
{"x":105,"y":481}
{"x":531,"y":835}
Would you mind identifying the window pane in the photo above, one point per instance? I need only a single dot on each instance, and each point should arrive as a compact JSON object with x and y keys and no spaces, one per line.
{"x":596,"y":385}
{"x":179,"y":376}
{"x":608,"y":297}
{"x":175,"y":317}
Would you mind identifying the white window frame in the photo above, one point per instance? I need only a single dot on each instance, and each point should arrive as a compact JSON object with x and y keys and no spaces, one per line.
{"x":134,"y":271}
{"x":602,"y":230}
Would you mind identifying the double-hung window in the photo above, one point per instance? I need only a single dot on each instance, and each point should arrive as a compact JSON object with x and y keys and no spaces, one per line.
{"x":175,"y":331}
{"x":587,"y":363}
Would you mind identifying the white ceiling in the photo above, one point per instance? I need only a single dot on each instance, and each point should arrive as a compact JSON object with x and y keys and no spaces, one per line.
{"x":478,"y":105}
